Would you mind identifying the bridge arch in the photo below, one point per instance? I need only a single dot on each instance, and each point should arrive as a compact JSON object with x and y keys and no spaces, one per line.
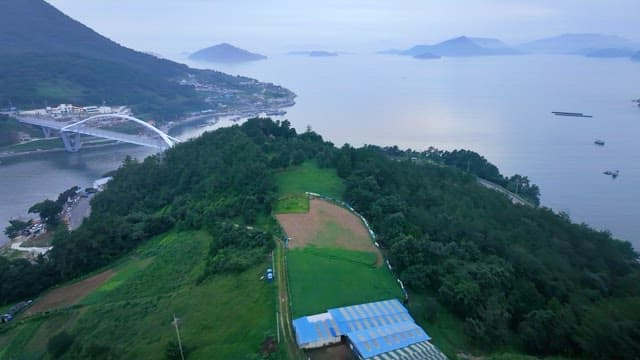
{"x":169,"y":140}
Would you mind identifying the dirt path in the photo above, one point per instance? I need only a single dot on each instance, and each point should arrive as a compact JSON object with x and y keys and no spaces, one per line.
{"x":284,"y":317}
{"x":70,"y":294}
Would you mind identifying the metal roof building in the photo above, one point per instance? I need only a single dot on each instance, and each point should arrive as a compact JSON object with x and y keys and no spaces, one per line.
{"x":418,"y":351}
{"x":371,"y":315}
{"x":379,"y":340}
{"x":316,"y":331}
{"x":375,"y":331}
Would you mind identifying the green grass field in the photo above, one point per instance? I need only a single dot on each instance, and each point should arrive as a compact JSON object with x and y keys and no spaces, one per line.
{"x":129,"y":317}
{"x":292,"y":203}
{"x":309,"y":177}
{"x":320,"y":279}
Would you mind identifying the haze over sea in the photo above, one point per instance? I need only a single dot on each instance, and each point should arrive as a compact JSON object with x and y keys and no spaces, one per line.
{"x":499,"y":107}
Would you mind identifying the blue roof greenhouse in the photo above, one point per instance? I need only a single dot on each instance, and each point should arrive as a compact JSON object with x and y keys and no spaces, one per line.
{"x":378,"y":331}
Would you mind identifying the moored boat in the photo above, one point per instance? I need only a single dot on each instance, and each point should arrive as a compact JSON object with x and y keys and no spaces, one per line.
{"x":613,"y":174}
{"x":565,"y":113}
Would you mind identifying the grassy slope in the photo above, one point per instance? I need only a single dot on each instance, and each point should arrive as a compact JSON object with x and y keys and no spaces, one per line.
{"x":227,"y":316}
{"x":309,"y":177}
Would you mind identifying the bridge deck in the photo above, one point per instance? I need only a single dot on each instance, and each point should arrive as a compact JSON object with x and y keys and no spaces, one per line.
{"x":157,"y":143}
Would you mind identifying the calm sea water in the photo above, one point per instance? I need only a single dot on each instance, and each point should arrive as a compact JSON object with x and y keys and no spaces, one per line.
{"x":497,"y":106}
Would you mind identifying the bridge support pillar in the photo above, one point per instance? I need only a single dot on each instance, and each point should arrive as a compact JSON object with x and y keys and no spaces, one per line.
{"x":71,"y":141}
{"x":46,"y":131}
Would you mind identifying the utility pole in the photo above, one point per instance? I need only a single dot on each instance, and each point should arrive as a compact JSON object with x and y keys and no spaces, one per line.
{"x":175,"y":324}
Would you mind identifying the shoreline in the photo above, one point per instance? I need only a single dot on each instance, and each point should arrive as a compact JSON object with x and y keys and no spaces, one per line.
{"x":47,"y":151}
{"x":216,"y":117}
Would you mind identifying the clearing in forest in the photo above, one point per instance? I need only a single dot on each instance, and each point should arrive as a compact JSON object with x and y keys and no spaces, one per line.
{"x":293,"y":183}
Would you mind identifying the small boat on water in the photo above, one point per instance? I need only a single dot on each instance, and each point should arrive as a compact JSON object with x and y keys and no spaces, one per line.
{"x":574,"y":114}
{"x":599,"y":142}
{"x":613,"y":174}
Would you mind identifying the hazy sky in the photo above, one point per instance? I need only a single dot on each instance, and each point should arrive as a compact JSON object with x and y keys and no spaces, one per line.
{"x":173,"y":26}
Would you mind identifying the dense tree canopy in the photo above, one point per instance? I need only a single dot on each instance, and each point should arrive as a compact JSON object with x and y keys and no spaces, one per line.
{"x":505,"y":269}
{"x":516,"y":275}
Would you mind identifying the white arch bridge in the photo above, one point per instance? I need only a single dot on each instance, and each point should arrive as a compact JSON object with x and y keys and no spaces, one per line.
{"x":71,"y":131}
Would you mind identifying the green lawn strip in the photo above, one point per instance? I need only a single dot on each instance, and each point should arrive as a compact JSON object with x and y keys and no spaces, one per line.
{"x":48,"y":144}
{"x":292,"y":203}
{"x":321,"y":278}
{"x":44,"y":144}
{"x":308,"y":177}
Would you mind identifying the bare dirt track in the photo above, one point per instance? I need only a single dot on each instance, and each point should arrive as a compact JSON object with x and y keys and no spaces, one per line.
{"x":70,"y":294}
{"x":326,"y":225}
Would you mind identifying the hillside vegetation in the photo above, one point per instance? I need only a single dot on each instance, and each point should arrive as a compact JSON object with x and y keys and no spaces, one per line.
{"x":228,"y":316}
{"x":10,"y":129}
{"x":519,"y":278}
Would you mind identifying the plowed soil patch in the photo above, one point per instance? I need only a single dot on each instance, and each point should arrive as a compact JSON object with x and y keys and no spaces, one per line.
{"x":327,"y":225}
{"x":70,"y":294}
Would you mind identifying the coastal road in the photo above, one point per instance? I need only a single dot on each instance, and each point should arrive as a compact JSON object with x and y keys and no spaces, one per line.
{"x":80,"y":210}
{"x":516,"y":199}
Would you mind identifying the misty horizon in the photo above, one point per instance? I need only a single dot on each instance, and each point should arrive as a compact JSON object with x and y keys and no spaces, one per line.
{"x":172,"y":28}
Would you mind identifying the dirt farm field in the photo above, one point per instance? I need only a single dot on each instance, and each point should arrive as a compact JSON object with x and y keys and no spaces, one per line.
{"x":70,"y":294}
{"x":327,"y":225}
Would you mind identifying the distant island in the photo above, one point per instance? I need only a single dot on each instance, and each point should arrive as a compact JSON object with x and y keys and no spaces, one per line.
{"x":610,"y":53}
{"x":225,"y":53}
{"x":462,"y":46}
{"x":426,"y":56}
{"x":589,"y":45}
{"x":314,"y":53}
{"x":576,"y":44}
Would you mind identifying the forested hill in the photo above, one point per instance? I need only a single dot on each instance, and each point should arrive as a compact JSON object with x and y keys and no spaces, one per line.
{"x":48,"y":58}
{"x":34,"y":26}
{"x":518,"y":277}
